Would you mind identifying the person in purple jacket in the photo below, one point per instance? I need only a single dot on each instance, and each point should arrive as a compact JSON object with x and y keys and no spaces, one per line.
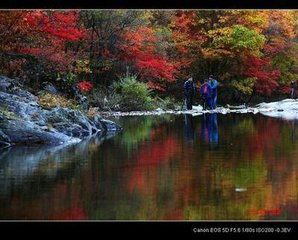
{"x":205,"y":92}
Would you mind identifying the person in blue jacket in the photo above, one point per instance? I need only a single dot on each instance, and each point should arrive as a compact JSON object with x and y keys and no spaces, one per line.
{"x":205,"y":92}
{"x":189,"y":90}
{"x":213,"y":83}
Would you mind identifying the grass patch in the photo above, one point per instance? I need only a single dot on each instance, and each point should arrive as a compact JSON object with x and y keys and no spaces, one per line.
{"x":49,"y":101}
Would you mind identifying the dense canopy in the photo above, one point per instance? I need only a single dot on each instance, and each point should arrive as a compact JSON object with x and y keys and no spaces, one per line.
{"x":255,"y":51}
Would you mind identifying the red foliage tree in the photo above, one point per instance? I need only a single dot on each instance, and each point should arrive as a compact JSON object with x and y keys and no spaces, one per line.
{"x":260,"y":69}
{"x":50,"y":32}
{"x":12,"y":31}
{"x":140,"y":52}
{"x":186,"y":38}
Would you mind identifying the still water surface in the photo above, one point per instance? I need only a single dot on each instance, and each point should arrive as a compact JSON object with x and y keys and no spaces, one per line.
{"x":208,"y":167}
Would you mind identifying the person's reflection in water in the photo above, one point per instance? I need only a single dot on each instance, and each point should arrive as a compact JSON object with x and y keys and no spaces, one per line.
{"x":293,"y":124}
{"x":189,"y":128}
{"x":209,"y":129}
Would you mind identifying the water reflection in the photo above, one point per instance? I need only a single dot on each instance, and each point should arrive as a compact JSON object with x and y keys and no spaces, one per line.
{"x":22,"y":166}
{"x":150,"y":171}
{"x":189,"y":128}
{"x":209,"y":129}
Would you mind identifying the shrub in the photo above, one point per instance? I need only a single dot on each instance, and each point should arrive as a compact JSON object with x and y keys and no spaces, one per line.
{"x":104,"y":98}
{"x":167,"y":103}
{"x":135,"y":95}
{"x":85,"y":86}
{"x":245,"y":86}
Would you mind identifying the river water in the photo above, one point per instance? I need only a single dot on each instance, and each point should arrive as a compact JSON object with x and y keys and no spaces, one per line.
{"x":208,"y":167}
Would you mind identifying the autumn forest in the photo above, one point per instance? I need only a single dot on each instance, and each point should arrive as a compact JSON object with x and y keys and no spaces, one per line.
{"x":252,"y":53}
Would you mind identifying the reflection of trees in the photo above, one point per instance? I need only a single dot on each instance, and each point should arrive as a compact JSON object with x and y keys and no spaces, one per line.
{"x":26,"y":165}
{"x":138,"y":129}
{"x":205,"y":187}
{"x":57,"y":173}
{"x":30,"y":174}
{"x":162,"y":177}
{"x":256,"y":149}
{"x":158,"y":153}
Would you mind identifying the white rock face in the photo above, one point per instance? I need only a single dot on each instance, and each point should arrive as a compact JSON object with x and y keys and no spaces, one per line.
{"x":286,"y":109}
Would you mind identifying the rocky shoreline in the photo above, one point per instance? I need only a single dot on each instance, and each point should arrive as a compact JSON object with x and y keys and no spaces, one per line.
{"x":24,"y":121}
{"x":285,"y":109}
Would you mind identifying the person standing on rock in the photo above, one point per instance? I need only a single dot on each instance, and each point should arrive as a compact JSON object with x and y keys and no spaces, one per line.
{"x":213,"y":83}
{"x":189,"y":90}
{"x":205,"y":92}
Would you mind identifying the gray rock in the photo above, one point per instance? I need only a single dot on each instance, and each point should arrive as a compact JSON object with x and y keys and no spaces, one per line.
{"x":106,"y":125}
{"x":14,"y":87}
{"x":25,"y":132}
{"x":110,"y":126}
{"x":98,"y":122}
{"x":22,"y":120}
{"x":71,"y":122}
{"x":4,"y":140}
{"x":49,"y":88}
{"x":20,"y":106}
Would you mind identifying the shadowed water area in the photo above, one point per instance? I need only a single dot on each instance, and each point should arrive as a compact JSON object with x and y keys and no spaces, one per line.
{"x":207,"y":167}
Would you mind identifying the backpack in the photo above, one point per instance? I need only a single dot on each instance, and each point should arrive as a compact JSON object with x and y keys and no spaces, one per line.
{"x":205,"y":89}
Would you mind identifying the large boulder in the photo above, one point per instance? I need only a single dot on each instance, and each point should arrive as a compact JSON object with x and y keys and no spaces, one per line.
{"x":71,"y":123}
{"x":20,"y":131}
{"x":109,"y":128}
{"x":16,"y":88}
{"x":22,"y":120}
